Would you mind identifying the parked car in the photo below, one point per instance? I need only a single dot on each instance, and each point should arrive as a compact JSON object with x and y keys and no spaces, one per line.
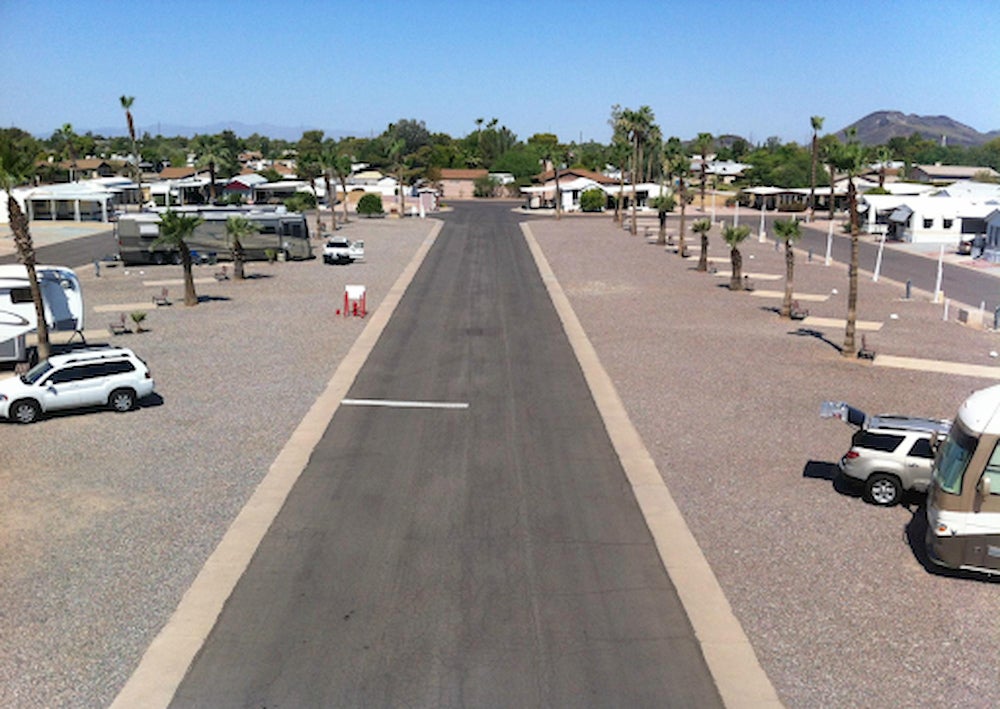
{"x":91,"y":376}
{"x":340,"y":250}
{"x":889,"y":454}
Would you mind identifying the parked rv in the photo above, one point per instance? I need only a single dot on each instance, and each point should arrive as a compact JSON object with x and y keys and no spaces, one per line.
{"x":61,"y":296}
{"x":285,"y":233}
{"x":963,"y":504}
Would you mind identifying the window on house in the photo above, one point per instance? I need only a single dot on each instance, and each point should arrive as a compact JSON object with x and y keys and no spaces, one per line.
{"x":947,"y":223}
{"x":928,"y":223}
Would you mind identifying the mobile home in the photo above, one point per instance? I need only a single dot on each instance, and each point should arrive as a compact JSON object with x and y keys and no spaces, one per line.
{"x":61,"y":297}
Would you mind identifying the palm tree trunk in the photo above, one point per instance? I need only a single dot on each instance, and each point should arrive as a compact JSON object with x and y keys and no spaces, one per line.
{"x":343,"y":187}
{"x":852,"y":277}
{"x":190,"y":296}
{"x":736,"y":278}
{"x":238,"y":260}
{"x":633,"y":229}
{"x":26,"y":254}
{"x":786,"y":304}
{"x":680,"y":232}
{"x":832,"y":200}
{"x":703,"y":256}
{"x":211,"y":185}
{"x":812,"y":183}
{"x":621,"y":194}
{"x":555,"y":169}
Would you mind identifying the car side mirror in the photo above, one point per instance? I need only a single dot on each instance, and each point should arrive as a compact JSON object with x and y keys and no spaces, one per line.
{"x":984,"y":486}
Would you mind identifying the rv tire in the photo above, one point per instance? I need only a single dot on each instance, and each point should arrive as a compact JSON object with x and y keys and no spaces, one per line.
{"x":883,"y":489}
{"x":24,"y":411}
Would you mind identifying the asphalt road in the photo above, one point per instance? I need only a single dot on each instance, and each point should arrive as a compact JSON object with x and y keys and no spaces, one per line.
{"x":73,"y":252}
{"x":484,"y":556}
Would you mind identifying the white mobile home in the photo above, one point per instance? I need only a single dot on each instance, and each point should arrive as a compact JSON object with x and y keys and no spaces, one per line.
{"x":61,"y":296}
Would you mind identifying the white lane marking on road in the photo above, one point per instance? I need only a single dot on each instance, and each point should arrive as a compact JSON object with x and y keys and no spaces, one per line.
{"x":405,"y":404}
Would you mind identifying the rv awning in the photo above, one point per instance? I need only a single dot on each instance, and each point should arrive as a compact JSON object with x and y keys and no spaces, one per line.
{"x":900,"y":214}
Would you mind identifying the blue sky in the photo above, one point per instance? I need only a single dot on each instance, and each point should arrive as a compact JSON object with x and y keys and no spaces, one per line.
{"x":751,"y":68}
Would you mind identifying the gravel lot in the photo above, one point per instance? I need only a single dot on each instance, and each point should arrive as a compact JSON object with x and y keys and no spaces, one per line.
{"x":832,"y":591}
{"x":108,"y":518}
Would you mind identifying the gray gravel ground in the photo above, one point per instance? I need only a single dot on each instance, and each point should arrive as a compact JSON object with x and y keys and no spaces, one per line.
{"x":107,"y":518}
{"x":832,"y":592}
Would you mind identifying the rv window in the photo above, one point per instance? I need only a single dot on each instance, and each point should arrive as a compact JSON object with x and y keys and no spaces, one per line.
{"x":20,"y":295}
{"x":955,"y":455}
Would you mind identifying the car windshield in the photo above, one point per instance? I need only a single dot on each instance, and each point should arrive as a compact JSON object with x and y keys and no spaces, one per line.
{"x":953,"y":460}
{"x":36,"y":372}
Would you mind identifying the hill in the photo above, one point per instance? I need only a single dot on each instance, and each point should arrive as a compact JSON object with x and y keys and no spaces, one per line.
{"x":878,"y":127}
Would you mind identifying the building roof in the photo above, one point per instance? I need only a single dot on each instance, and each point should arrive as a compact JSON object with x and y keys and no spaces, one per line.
{"x":450,"y":173}
{"x":549,"y":175}
{"x":954,"y":172}
{"x":177,"y":173}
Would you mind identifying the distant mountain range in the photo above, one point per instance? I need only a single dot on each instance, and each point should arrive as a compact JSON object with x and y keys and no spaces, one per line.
{"x":878,"y":127}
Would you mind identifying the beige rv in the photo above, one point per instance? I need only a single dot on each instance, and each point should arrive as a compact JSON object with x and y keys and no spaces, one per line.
{"x":963,"y":504}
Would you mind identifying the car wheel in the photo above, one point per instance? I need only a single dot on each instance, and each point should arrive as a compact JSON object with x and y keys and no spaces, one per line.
{"x":159,"y":258}
{"x":24,"y":411}
{"x":883,"y":489}
{"x":176,"y":258}
{"x":122,"y":400}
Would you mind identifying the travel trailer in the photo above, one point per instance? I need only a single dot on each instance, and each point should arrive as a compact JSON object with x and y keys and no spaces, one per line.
{"x":282,"y":232}
{"x":61,"y":296}
{"x":963,"y":504}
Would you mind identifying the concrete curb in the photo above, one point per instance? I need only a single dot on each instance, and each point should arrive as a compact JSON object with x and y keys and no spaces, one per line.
{"x":731,"y":659}
{"x":165,"y":663}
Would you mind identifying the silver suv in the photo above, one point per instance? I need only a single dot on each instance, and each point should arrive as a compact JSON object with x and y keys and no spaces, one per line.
{"x":889,"y":454}
{"x":90,"y":376}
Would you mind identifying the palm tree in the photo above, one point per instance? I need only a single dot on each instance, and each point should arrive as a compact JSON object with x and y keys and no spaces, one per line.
{"x":17,"y":164}
{"x":830,"y":150}
{"x":640,"y":124}
{"x":882,"y":155}
{"x":342,"y":167}
{"x":619,"y":155}
{"x":702,"y":144}
{"x":679,"y":166}
{"x":126,"y":102}
{"x":788,"y":231}
{"x":817,"y":125}
{"x":850,"y":158}
{"x":701,"y":227}
{"x":398,"y":160}
{"x":175,"y":230}
{"x":213,"y":152}
{"x":68,"y":138}
{"x":734,"y":236}
{"x":237,"y":229}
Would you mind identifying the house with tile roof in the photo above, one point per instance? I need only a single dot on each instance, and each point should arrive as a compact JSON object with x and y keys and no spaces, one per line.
{"x":459,"y":183}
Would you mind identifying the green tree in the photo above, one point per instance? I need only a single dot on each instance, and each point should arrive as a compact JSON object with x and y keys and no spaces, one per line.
{"x":238,"y":228}
{"x":370,"y":204}
{"x":484,"y":186}
{"x":620,"y":152}
{"x":788,"y":232}
{"x":701,"y":227}
{"x":19,"y":154}
{"x":678,"y":167}
{"x":593,"y":200}
{"x":734,"y":236}
{"x":817,"y":126}
{"x":210,"y":153}
{"x":67,"y":141}
{"x":175,"y":230}
{"x":342,"y":168}
{"x":397,"y":157}
{"x":638,"y":125}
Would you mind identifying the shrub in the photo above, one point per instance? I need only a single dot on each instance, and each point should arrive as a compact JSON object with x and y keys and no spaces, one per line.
{"x":484,"y":186}
{"x":301,"y":201}
{"x":369,"y":204}
{"x":663,"y":203}
{"x":593,"y":200}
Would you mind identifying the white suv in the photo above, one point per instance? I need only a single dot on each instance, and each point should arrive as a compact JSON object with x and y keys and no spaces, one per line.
{"x":91,"y":376}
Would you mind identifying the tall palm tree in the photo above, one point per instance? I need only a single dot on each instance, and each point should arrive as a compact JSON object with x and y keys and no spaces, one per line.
{"x":126,"y":102}
{"x":882,"y":156}
{"x":679,"y":167}
{"x":342,"y":167}
{"x":639,"y":123}
{"x":788,"y":231}
{"x":702,"y":144}
{"x":396,"y":156}
{"x":734,"y":236}
{"x":175,"y":230}
{"x":831,"y":148}
{"x":17,"y":164}
{"x":212,"y":153}
{"x":237,"y":229}
{"x":620,"y":152}
{"x":701,"y":227}
{"x":850,"y":158}
{"x":68,"y":139}
{"x":817,"y":126}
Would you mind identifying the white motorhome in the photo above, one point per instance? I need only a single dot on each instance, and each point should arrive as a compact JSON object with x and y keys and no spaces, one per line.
{"x":61,"y":296}
{"x":963,"y":504}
